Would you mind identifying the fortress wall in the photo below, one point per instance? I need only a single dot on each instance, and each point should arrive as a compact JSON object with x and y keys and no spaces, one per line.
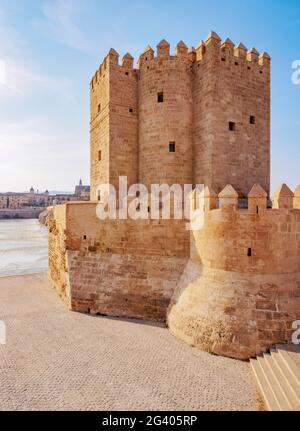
{"x":234,"y":304}
{"x":169,"y":121}
{"x":230,"y":85}
{"x":232,"y":288}
{"x":154,"y":237}
{"x":128,"y":285}
{"x":117,"y":267}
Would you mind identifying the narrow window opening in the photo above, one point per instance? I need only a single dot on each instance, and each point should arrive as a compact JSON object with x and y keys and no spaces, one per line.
{"x":257,"y":210}
{"x":99,"y":107}
{"x":148,"y":209}
{"x":160,"y":97}
{"x":130,"y":110}
{"x":99,"y":156}
{"x":249,"y":254}
{"x":223,"y":59}
{"x":172,"y":147}
{"x":236,"y":63}
{"x":231,"y":126}
{"x":99,"y":195}
{"x":84,"y":237}
{"x":252,"y":119}
{"x":146,"y":58}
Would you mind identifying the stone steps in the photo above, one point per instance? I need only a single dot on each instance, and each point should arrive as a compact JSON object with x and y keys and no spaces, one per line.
{"x":278,"y":378}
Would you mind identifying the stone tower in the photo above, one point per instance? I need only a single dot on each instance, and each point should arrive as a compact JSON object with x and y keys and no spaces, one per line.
{"x":114,"y":122}
{"x":200,"y":116}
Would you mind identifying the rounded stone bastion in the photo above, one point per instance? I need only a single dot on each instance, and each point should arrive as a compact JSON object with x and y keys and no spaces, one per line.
{"x":240,"y":291}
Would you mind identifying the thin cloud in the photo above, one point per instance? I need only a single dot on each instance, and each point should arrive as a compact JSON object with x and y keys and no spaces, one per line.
{"x":19,"y":80}
{"x":19,"y":75}
{"x":34,"y":142}
{"x":11,"y":43}
{"x":30,"y":147}
{"x":60,"y":16}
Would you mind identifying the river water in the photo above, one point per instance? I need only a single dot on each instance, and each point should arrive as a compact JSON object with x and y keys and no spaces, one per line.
{"x":23,"y":247}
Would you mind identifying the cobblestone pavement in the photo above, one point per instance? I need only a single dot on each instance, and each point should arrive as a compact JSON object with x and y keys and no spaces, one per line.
{"x":58,"y":360}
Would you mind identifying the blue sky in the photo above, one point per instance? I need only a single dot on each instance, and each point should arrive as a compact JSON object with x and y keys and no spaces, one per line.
{"x":49,"y":49}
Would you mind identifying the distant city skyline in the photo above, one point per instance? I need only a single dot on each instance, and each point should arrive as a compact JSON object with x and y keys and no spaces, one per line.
{"x":51,"y":192}
{"x":39,"y":190}
{"x":49,"y":51}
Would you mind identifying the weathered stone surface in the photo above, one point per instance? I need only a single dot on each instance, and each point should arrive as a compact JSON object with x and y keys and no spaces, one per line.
{"x":123,"y":268}
{"x":239,"y":293}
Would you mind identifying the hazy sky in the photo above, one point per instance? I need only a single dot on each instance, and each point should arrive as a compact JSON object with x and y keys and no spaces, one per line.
{"x":49,"y":50}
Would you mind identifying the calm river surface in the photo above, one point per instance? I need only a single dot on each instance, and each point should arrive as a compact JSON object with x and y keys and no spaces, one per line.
{"x":23,"y":247}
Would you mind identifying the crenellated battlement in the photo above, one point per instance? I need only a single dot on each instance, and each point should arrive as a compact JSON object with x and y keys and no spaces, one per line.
{"x":255,"y":239}
{"x":213,"y":43}
{"x":112,"y":58}
{"x":256,"y":201}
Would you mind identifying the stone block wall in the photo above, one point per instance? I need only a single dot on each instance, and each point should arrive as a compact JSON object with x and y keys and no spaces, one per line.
{"x":123,"y":268}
